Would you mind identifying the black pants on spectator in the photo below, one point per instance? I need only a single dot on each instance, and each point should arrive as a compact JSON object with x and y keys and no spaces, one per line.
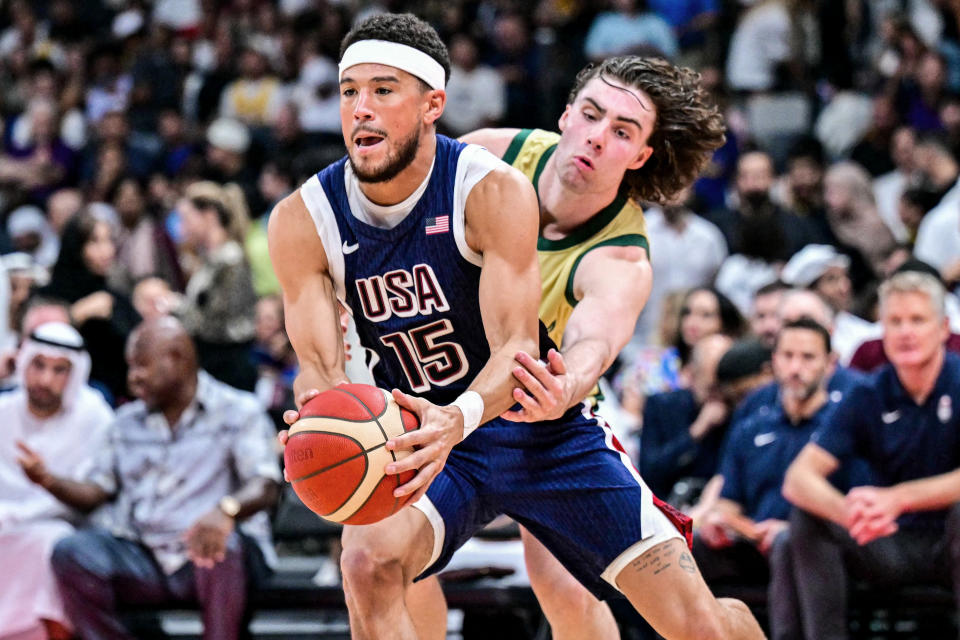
{"x":742,"y":563}
{"x":97,"y":572}
{"x":825,"y":557}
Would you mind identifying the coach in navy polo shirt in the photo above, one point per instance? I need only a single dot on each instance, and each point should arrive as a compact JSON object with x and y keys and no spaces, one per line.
{"x":743,"y":536}
{"x":796,"y":304}
{"x":906,"y":423}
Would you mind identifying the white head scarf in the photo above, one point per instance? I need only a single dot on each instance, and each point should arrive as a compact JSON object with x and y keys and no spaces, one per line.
{"x":57,"y":340}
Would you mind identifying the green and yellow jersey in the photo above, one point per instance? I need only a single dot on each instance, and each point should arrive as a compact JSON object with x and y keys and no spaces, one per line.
{"x":621,"y":223}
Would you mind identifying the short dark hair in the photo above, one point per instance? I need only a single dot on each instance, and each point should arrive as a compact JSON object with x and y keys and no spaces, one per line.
{"x":210,"y":204}
{"x":402,"y":28}
{"x":772,"y":287}
{"x":808,"y":323}
{"x":688,"y":128}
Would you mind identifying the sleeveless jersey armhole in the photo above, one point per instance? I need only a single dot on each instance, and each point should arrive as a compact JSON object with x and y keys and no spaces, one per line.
{"x":318,"y":206}
{"x":474,"y":164}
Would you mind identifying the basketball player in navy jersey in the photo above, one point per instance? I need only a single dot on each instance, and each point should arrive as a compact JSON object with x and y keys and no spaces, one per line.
{"x":589,"y":178}
{"x":431,"y":244}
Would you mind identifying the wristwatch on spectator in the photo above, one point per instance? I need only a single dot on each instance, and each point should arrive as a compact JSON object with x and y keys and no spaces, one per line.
{"x":230,"y":506}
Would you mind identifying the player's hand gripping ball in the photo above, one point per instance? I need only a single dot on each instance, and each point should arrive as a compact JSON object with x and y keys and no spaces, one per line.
{"x":336,"y":454}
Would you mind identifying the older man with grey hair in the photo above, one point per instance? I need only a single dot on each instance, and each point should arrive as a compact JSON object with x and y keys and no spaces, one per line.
{"x":906,"y":423}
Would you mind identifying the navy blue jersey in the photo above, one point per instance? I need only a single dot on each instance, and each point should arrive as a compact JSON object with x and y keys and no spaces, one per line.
{"x":901,"y":439}
{"x":413,"y":289}
{"x":756,"y":456}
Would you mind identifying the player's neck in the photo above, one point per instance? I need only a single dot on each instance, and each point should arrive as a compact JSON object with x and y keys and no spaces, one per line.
{"x":561,"y":209}
{"x":406,"y":182}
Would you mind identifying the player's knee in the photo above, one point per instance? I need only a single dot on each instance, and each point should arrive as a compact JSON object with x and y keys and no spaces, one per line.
{"x":364,"y":569}
{"x":704,"y":625}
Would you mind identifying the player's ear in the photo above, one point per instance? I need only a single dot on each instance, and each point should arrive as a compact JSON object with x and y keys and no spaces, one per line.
{"x":641,"y":159}
{"x":436,"y":100}
{"x":562,"y":123}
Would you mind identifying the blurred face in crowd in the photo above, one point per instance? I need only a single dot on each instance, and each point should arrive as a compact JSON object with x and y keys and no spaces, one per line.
{"x":765,"y":318}
{"x":195,"y":223}
{"x":20,"y":284}
{"x":806,"y":180}
{"x":269,"y":318}
{"x":129,"y":202}
{"x":755,"y":177}
{"x":100,"y":250}
{"x":706,"y":356}
{"x":801,"y":363}
{"x":913,"y":330}
{"x":902,"y":148}
{"x":699,"y":317}
{"x":604,"y":134}
{"x":382,"y":114}
{"x":463,"y":52}
{"x":834,"y":286}
{"x":804,"y":304}
{"x":931,"y":73}
{"x":152,"y":373}
{"x":61,"y":206}
{"x":252,"y":64}
{"x":45,"y":379}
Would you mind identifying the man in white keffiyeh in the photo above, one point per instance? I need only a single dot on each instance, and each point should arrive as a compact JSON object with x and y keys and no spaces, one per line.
{"x":53,"y":414}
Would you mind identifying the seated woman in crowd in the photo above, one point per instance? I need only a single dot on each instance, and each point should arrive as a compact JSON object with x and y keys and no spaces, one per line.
{"x":218,"y":307}
{"x":103,"y":315}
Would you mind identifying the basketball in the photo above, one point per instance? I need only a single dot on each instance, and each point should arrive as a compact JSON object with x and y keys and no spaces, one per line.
{"x":336,"y":454}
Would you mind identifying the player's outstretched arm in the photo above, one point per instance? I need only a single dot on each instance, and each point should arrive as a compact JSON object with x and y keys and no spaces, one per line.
{"x":599,"y":327}
{"x":309,"y":297}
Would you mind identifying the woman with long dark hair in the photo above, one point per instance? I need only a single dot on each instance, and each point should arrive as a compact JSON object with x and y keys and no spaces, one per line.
{"x":103,"y":316}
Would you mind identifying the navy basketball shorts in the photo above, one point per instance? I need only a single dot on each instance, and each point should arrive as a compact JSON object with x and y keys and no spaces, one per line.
{"x":567,"y":481}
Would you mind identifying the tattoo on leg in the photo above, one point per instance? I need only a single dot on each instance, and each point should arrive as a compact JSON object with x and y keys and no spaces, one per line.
{"x":658,"y":559}
{"x":686,"y":562}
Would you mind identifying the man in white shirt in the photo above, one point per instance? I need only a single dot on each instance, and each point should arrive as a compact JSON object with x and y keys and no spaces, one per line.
{"x":476,"y":93}
{"x":689,"y":252}
{"x":888,"y":188}
{"x":56,"y":413}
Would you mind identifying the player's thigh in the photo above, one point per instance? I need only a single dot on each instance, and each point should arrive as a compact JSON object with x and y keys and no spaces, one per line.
{"x":666,"y":588}
{"x":542,"y":566}
{"x":406,"y":538}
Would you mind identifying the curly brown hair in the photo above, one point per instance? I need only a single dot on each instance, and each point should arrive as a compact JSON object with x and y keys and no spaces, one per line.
{"x":688,"y":127}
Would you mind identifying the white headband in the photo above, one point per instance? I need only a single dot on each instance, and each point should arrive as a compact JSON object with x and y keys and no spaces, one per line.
{"x":394,"y":54}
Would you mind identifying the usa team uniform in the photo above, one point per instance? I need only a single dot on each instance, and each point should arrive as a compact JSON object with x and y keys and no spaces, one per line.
{"x":413,"y":292}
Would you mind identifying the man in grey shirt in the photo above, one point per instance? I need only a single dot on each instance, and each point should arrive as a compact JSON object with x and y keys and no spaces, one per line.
{"x":188,"y":470}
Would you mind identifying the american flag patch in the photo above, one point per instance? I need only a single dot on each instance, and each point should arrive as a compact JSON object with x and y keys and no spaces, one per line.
{"x":440,"y":224}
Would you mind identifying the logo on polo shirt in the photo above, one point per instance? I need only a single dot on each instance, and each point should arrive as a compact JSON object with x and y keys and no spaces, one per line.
{"x":945,"y":409}
{"x":889,"y":417}
{"x":763,"y":439}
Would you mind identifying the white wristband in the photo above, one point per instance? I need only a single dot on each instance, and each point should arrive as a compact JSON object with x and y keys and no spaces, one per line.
{"x":471,"y":406}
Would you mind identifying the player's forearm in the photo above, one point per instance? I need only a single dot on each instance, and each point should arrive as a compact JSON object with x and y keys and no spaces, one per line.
{"x":930,"y":494}
{"x":495,"y":382}
{"x":256,"y":495}
{"x":83,"y":496}
{"x":586,"y":360}
{"x":811,"y":492}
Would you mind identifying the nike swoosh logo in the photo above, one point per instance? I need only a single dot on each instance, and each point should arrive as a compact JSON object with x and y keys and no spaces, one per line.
{"x":890,"y":417}
{"x":347,"y":248}
{"x":763,"y":439}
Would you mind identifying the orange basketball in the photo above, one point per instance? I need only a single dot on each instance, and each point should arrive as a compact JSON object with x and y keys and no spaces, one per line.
{"x":336,"y":454}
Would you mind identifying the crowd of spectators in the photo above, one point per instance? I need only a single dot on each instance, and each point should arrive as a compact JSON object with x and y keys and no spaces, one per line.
{"x":145,"y":142}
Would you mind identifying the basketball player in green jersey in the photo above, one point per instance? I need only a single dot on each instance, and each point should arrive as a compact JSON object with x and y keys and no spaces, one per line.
{"x":634,"y":130}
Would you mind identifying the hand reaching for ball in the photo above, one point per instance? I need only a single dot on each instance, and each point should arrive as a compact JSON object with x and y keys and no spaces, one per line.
{"x":440,"y":429}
